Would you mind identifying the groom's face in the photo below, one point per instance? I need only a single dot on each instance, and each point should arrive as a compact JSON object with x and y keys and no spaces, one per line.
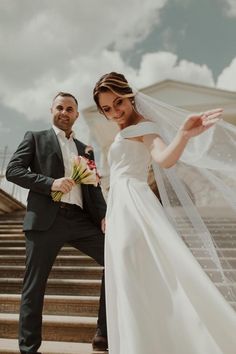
{"x":64,"y":112}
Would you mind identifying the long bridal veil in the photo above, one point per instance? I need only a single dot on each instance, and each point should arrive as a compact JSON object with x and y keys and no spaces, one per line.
{"x":207,"y":167}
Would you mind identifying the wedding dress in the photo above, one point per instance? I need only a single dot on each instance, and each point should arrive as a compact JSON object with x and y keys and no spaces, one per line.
{"x":159,"y":299}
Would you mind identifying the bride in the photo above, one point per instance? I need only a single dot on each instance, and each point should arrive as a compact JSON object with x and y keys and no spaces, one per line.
{"x":159,"y":299}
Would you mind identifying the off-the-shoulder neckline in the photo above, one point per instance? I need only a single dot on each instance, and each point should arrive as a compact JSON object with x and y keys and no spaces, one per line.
{"x":135,"y":125}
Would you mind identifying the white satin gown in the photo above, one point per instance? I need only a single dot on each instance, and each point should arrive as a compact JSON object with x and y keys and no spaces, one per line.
{"x":159,"y":300}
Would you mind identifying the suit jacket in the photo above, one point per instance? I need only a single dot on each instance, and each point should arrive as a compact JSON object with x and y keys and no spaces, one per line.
{"x":35,"y":165}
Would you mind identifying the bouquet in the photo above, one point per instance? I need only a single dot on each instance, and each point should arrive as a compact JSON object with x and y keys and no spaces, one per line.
{"x":84,"y":171}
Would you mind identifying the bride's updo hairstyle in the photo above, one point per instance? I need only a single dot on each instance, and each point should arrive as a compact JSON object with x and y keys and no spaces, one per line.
{"x":115,"y":83}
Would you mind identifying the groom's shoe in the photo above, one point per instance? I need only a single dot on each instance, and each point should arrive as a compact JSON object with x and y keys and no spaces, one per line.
{"x":99,"y":341}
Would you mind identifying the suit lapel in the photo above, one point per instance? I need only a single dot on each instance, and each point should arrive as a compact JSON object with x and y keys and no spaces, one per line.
{"x":55,"y":144}
{"x":81,"y":151}
{"x":80,"y":147}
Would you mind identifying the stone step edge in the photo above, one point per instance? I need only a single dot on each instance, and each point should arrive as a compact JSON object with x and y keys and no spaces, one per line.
{"x":88,"y":269}
{"x":55,"y":298}
{"x":55,"y":268}
{"x":64,"y":298}
{"x":82,"y":257}
{"x":72,"y":248}
{"x":222,"y":233}
{"x":23,"y":249}
{"x":62,"y":320}
{"x":10,"y":346}
{"x":54,"y":281}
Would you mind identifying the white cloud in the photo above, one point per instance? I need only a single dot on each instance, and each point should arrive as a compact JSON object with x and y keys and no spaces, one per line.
{"x":164,"y":65}
{"x":83,"y":72}
{"x":43,"y":36}
{"x":231,"y":8}
{"x":47,"y":46}
{"x":226,"y":79}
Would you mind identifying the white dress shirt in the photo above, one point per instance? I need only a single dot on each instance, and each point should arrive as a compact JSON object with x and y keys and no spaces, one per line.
{"x":69,"y":150}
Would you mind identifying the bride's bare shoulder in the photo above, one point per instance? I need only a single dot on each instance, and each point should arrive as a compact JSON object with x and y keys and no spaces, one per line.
{"x":143,"y":120}
{"x":140,"y":129}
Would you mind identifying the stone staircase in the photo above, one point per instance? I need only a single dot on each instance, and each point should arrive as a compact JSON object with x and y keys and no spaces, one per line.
{"x":69,"y":321}
{"x":69,"y":318}
{"x":223,"y":229}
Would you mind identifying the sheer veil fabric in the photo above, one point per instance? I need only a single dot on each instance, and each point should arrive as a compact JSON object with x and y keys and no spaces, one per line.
{"x":211,"y":160}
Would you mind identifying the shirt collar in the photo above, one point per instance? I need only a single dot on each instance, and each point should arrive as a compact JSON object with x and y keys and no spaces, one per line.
{"x":61,"y":133}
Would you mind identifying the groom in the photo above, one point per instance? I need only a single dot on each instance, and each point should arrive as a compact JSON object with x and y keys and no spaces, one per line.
{"x":42,"y":164}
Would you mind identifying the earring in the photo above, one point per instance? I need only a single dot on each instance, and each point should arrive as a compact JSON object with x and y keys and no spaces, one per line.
{"x":133,"y":106}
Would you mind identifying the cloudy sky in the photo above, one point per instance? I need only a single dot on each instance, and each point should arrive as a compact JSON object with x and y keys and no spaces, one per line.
{"x":53,"y":45}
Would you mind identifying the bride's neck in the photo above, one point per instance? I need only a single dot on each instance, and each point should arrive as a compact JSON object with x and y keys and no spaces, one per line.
{"x":133,"y":119}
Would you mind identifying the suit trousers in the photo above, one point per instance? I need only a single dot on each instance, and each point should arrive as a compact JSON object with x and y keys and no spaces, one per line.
{"x":75,"y":228}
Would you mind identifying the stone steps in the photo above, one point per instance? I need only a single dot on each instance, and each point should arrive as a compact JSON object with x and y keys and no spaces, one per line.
{"x":17,"y":221}
{"x":21,"y":239}
{"x":188,"y":229}
{"x":75,"y":287}
{"x":19,"y":260}
{"x":216,"y":277}
{"x":224,"y":224}
{"x":55,"y":286}
{"x":226,"y":262}
{"x":21,"y":251}
{"x":20,"y":244}
{"x":71,"y":251}
{"x":229,"y":292}
{"x":223,"y":252}
{"x":11,"y":243}
{"x":9,"y":230}
{"x":19,"y":248}
{"x":72,"y":295}
{"x":66,"y":272}
{"x":76,"y":272}
{"x":64,"y":260}
{"x":192,"y":243}
{"x":219,"y":235}
{"x":71,"y":300}
{"x":55,"y":305}
{"x":10,"y":346}
{"x":212,"y":225}
{"x":6,"y":244}
{"x":11,"y":223}
{"x":55,"y":328}
{"x":12,"y":237}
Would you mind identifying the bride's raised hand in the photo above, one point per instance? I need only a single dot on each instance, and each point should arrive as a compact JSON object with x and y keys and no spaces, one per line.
{"x":196,"y":124}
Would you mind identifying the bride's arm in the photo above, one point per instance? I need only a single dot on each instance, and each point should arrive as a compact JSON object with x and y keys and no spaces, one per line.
{"x":196,"y":124}
{"x":165,"y":155}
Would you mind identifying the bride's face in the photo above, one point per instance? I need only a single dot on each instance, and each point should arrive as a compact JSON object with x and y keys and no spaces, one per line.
{"x":116,"y":108}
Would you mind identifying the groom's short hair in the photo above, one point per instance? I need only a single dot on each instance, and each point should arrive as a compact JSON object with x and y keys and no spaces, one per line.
{"x":65,"y":94}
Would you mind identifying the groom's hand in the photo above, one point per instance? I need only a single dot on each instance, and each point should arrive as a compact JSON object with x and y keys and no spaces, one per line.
{"x":64,"y":185}
{"x":103,"y":225}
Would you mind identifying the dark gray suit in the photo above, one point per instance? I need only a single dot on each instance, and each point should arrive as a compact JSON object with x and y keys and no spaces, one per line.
{"x":35,"y":165}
